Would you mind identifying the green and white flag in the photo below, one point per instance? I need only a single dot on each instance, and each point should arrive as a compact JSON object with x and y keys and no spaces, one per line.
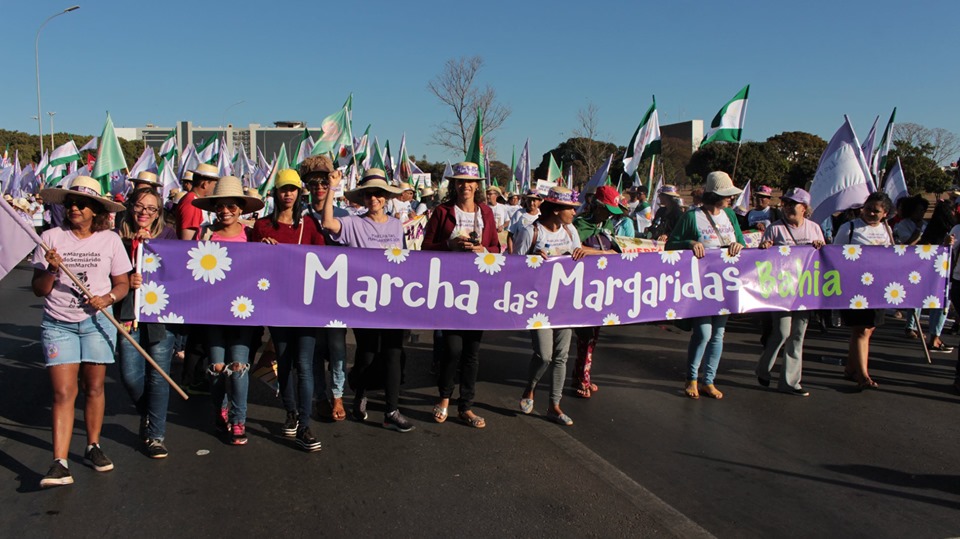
{"x":64,"y":154}
{"x":169,"y":150}
{"x":476,"y":150}
{"x":554,"y":173}
{"x":335,"y":130}
{"x":209,"y":151}
{"x":109,"y":156}
{"x":880,"y":162}
{"x":279,"y":163}
{"x":727,"y":125}
{"x":645,"y":141}
{"x":303,"y":148}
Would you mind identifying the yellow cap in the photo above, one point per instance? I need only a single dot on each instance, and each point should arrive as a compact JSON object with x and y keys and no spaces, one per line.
{"x":288,"y":176}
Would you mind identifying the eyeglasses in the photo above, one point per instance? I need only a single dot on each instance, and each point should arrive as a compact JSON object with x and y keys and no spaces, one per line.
{"x":80,"y":203}
{"x":148,"y":210}
{"x":229,"y":206}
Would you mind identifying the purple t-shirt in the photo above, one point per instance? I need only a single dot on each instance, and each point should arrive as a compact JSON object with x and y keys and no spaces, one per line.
{"x":783,"y":234}
{"x":369,"y":234}
{"x":93,"y":260}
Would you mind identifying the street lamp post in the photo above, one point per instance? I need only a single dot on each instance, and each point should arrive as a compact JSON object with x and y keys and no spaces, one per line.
{"x":52,"y":144}
{"x":37,"y":51}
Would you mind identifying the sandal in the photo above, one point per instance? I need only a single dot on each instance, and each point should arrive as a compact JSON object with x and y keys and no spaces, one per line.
{"x":583,"y":392}
{"x":562,"y":419}
{"x":867,"y":383}
{"x":474,"y":420}
{"x":691,"y":390}
{"x":526,"y":405}
{"x":440,"y":413}
{"x":339,"y":413}
{"x":711,"y":391}
{"x":593,"y":388}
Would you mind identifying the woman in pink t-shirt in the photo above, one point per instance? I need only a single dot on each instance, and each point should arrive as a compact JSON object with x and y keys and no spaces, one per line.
{"x":77,"y":338}
{"x":229,"y":384}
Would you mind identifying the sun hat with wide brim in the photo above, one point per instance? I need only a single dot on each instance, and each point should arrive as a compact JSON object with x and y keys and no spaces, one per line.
{"x":404,"y":186}
{"x":719,"y":183}
{"x":228,"y":187}
{"x":428,"y":192}
{"x":373,"y":178}
{"x":533,"y":193}
{"x":465,"y":171}
{"x":207,"y":172}
{"x":670,"y":191}
{"x":146,"y":177}
{"x":83,"y":186}
{"x":562,"y":196}
{"x":500,"y":198}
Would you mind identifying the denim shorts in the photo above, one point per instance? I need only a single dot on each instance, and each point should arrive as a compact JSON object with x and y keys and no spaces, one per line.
{"x":90,"y":341}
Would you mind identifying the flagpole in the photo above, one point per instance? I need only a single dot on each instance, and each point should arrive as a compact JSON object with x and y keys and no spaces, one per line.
{"x":736,"y":160}
{"x":653,"y":161}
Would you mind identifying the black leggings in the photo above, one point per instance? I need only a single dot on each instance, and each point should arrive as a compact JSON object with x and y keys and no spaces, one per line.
{"x":389,"y":344}
{"x":461,"y":348}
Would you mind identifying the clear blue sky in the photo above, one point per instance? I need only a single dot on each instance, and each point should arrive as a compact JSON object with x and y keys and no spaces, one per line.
{"x":808,"y":63}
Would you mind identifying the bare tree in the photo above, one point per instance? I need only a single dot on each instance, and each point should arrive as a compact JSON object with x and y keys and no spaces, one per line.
{"x":456,"y":87}
{"x":586,"y":141}
{"x":944,"y":145}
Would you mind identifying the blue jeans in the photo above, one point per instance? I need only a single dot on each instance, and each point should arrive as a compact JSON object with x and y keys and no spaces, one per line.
{"x":332,"y":346}
{"x":937,"y":320}
{"x":295,"y":346}
{"x":229,"y":387}
{"x":148,"y":390}
{"x":706,"y":343}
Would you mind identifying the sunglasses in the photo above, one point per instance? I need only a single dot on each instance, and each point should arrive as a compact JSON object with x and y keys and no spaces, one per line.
{"x":80,"y":203}
{"x":231,"y":207}
{"x":378,"y":194}
{"x":322,"y":184}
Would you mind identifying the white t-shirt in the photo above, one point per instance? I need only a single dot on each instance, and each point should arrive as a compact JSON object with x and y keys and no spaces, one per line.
{"x":561,"y":242}
{"x":520,"y":220}
{"x":905,"y":229}
{"x":863,"y":234}
{"x":399,"y":208}
{"x":501,"y":214}
{"x":708,"y":236}
{"x":755,"y":217}
{"x":467,"y":222}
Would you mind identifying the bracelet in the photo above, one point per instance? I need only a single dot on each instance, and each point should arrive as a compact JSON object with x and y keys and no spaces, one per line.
{"x":113,"y":299}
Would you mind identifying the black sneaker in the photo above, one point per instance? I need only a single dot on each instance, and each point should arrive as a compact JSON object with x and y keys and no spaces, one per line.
{"x":798,"y":392}
{"x":306,"y":440}
{"x":395,"y":421}
{"x":360,"y":408}
{"x":142,"y":432}
{"x":97,"y":459}
{"x":155,"y":449}
{"x":58,"y":475}
{"x":763,"y":381}
{"x":290,"y":425}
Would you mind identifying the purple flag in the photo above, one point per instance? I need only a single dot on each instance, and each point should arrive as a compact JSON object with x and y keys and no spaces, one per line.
{"x":843,"y":178}
{"x":15,"y":241}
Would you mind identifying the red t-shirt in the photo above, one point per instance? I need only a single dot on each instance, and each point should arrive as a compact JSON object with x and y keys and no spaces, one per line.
{"x":285,"y":233}
{"x":189,"y":217}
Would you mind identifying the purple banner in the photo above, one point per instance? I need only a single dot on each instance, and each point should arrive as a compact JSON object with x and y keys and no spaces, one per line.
{"x":291,"y":285}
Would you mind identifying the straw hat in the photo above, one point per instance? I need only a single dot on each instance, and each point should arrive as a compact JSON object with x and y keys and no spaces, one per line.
{"x":206,"y":172}
{"x":228,"y":187}
{"x":764,"y":191}
{"x":465,"y":171}
{"x":286,"y":177}
{"x":532,"y":193}
{"x":670,"y":191}
{"x":148,"y":178}
{"x":373,"y":178}
{"x":428,"y":192}
{"x":404,"y":186}
{"x":83,"y":186}
{"x":719,"y":183}
{"x":562,"y":196}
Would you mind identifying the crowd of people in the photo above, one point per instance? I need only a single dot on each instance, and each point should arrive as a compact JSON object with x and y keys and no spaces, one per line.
{"x":98,"y":238}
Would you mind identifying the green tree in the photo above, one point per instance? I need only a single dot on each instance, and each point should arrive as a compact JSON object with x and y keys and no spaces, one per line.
{"x":919,"y":168}
{"x":801,"y":154}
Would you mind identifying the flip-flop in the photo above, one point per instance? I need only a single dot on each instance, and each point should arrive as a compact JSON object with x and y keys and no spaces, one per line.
{"x":439,"y":413}
{"x":583,"y":392}
{"x":475,"y":421}
{"x":526,"y":405}
{"x":594,"y":388}
{"x":562,"y":419}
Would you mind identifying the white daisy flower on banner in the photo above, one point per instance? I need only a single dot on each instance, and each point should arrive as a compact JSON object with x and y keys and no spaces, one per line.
{"x":925,"y":252}
{"x":900,"y":249}
{"x":723,"y":312}
{"x":858,"y":302}
{"x":396,"y":254}
{"x":209,"y":262}
{"x":335,"y":324}
{"x":670,"y":257}
{"x":153,"y":298}
{"x":241,"y":307}
{"x":802,"y":308}
{"x":942,"y":264}
{"x":490,"y":262}
{"x":931,"y":302}
{"x":784,"y":250}
{"x":534,"y":261}
{"x":611,"y":320}
{"x":629,"y":256}
{"x":914,"y":277}
{"x":894,"y":293}
{"x":151,"y":263}
{"x":170,"y":318}
{"x":867,"y":278}
{"x":725,"y":256}
{"x":263,"y":285}
{"x":538,"y":321}
{"x":852,"y":252}
{"x":671,"y":314}
{"x":602,"y":262}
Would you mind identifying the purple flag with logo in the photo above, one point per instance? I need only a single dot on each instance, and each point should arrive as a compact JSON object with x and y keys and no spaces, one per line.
{"x":294,"y":285}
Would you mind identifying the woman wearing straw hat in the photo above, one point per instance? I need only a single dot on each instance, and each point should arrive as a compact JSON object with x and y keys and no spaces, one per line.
{"x":150,"y":393}
{"x":552,"y":234}
{"x":77,"y":339}
{"x":668,"y":214}
{"x":229,"y":382}
{"x":462,"y":223}
{"x":373,"y":230}
{"x":293,"y":345}
{"x":711,"y":226}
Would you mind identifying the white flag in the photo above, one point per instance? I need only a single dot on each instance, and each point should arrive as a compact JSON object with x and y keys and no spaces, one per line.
{"x":90,"y":146}
{"x":842,"y":180}
{"x":645,"y":141}
{"x":895,"y":186}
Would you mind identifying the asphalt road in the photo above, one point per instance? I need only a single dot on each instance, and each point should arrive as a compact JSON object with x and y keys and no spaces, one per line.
{"x":640,"y":461}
